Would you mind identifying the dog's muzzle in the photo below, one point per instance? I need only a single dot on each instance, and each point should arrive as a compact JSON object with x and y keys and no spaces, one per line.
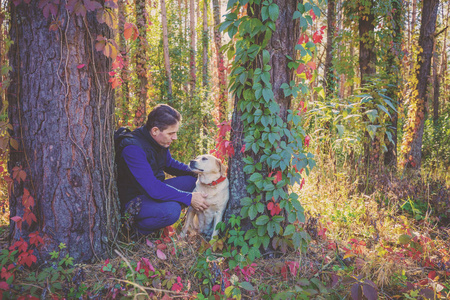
{"x":193,"y":166}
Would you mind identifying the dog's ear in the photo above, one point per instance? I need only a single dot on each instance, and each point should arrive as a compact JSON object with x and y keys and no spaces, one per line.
{"x":222,"y":168}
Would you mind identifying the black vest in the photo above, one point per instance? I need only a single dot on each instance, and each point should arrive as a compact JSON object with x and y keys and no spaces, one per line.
{"x":156,"y":156}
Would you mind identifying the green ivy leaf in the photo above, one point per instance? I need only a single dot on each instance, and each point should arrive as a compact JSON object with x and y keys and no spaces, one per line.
{"x":273,"y":11}
{"x":255,"y":177}
{"x":262,"y":220}
{"x":264,"y":13}
{"x":316,"y":10}
{"x":290,"y":229}
{"x":247,"y":286}
{"x":252,"y":212}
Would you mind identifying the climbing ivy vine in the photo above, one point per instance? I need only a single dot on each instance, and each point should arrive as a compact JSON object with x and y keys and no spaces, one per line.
{"x":275,"y":152}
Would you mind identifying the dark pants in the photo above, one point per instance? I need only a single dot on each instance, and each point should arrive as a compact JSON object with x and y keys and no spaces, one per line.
{"x":156,"y":214}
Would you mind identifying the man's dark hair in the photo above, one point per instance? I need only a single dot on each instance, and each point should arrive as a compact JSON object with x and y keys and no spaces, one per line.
{"x":162,"y":116}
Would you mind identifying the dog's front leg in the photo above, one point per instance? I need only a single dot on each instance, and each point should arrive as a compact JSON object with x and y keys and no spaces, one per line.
{"x":189,"y":222}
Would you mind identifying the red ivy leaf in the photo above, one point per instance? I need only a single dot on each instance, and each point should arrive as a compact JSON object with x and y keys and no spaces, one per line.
{"x":301,"y":68}
{"x":4,"y":286}
{"x":29,"y":217}
{"x":80,"y":66}
{"x":18,"y":221}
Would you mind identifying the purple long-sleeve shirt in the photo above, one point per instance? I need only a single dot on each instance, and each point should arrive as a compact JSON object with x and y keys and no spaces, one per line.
{"x":137,"y":162}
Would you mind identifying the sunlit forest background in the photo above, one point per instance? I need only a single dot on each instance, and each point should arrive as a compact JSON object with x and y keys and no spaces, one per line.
{"x":377,"y":209}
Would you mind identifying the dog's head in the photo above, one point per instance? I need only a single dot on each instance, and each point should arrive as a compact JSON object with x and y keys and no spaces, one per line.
{"x":207,"y":164}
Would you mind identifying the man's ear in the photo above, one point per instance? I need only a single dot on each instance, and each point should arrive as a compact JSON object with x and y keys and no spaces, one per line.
{"x":154,"y":131}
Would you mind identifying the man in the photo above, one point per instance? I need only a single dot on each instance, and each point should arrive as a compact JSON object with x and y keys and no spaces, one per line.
{"x":142,"y":158}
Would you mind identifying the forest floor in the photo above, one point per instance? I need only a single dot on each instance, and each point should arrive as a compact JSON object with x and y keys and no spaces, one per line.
{"x":392,"y":243}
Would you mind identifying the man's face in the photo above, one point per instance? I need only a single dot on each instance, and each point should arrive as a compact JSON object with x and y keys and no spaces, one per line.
{"x":165,"y":137}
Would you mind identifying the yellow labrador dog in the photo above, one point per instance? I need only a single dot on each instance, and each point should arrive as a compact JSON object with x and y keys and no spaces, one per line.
{"x":212,"y":181}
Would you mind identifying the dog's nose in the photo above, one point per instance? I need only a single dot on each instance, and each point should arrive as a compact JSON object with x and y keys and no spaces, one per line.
{"x":192,"y":164}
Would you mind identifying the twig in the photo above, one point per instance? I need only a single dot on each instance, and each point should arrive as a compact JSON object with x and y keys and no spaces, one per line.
{"x":324,"y":267}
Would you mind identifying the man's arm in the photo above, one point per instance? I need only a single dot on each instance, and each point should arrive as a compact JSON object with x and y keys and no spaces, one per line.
{"x":176,"y":168}
{"x":137,"y":162}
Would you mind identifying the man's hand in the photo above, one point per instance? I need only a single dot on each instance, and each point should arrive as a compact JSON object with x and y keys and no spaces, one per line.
{"x":198,"y":201}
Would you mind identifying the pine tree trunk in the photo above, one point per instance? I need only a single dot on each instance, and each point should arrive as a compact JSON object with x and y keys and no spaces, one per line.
{"x":367,"y":59}
{"x":166,"y":48}
{"x":193,"y":71}
{"x":390,"y":157}
{"x":329,"y":74}
{"x":141,"y":62}
{"x":63,"y":120}
{"x":367,"y":56}
{"x":205,"y":43}
{"x":124,"y":92}
{"x":426,"y":42}
{"x":221,"y":70}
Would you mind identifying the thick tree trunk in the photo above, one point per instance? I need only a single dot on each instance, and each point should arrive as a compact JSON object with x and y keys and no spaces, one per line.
{"x":329,"y":74}
{"x":63,"y":119}
{"x":222,"y":102}
{"x":141,"y":63}
{"x":281,"y":44}
{"x":426,"y":43}
{"x":390,"y":157}
{"x":166,"y":47}
{"x":193,"y":71}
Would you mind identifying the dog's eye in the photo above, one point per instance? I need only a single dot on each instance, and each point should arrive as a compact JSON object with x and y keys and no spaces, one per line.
{"x":204,"y":158}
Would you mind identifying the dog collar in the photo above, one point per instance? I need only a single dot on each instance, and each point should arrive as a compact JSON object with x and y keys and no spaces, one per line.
{"x":216,"y":182}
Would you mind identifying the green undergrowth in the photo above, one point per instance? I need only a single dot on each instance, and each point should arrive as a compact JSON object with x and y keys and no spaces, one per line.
{"x":394,"y":239}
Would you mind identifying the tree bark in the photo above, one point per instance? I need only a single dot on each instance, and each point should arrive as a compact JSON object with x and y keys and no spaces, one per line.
{"x":124,"y":92}
{"x":367,"y":56}
{"x":222,"y":102}
{"x":63,"y":120}
{"x":329,"y":74}
{"x":166,"y":48}
{"x":426,"y":43}
{"x":205,"y":43}
{"x":141,"y":62}
{"x":367,"y":68}
{"x":390,"y":157}
{"x":193,"y":71}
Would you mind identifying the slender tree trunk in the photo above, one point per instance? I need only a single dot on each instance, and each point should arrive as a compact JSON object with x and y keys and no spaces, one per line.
{"x":390,"y":158}
{"x":222,"y":103}
{"x":205,"y":73}
{"x":436,"y":87}
{"x":367,"y":59}
{"x":417,"y":113}
{"x":166,"y":48}
{"x":141,"y":62}
{"x":124,"y":89}
{"x":205,"y":43}
{"x":63,"y":120}
{"x":193,"y":71}
{"x":329,"y":74}
{"x":367,"y":56}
